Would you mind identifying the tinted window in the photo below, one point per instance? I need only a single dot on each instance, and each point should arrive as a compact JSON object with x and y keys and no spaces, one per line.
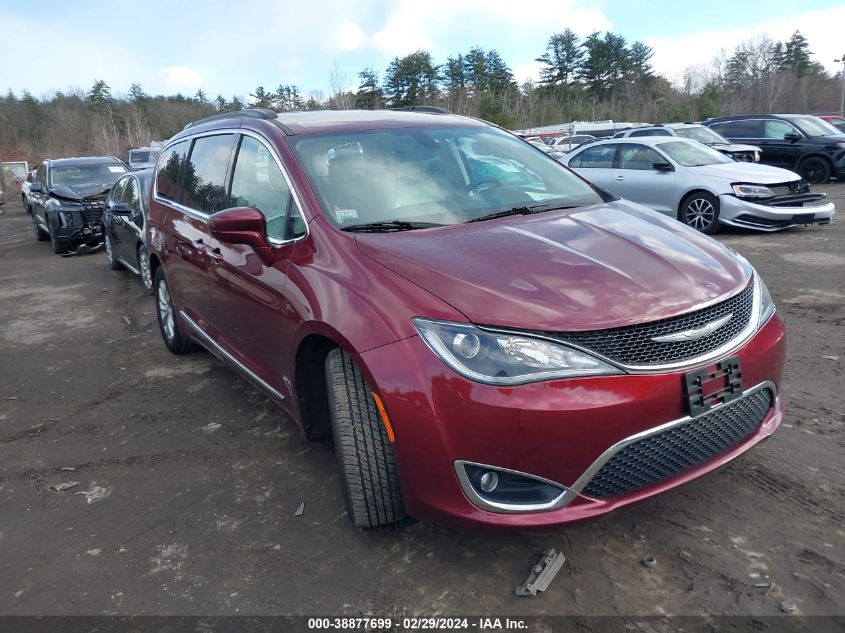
{"x":651,"y":132}
{"x":204,"y":179}
{"x":600,"y":156}
{"x":258,"y":182}
{"x":777,"y":129}
{"x":633,"y":156}
{"x":170,"y":170}
{"x":747,"y":128}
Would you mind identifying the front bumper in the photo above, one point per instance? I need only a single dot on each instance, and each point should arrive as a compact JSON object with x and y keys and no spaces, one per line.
{"x":742,"y":213}
{"x":555,"y":430}
{"x":72,"y":227}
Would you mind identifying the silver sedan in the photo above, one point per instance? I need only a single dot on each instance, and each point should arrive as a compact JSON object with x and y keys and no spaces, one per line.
{"x":698,"y":185}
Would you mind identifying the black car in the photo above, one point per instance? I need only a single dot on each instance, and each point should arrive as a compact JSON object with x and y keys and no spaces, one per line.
{"x":124,"y":225}
{"x":800,"y":142}
{"x":66,"y":200}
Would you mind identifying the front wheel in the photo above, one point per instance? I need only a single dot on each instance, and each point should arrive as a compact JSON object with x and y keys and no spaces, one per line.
{"x":814,"y":170}
{"x":168,"y":323}
{"x":362,"y":446}
{"x":701,"y":212}
{"x":144,"y":267}
{"x":110,"y":258}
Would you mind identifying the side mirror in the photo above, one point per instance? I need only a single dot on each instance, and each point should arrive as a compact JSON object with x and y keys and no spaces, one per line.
{"x":661,"y":166}
{"x":120,"y":208}
{"x":35,"y":187}
{"x":791,"y":137}
{"x":243,"y":225}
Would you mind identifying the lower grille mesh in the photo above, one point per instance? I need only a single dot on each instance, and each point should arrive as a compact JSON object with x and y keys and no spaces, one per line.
{"x":670,"y":452}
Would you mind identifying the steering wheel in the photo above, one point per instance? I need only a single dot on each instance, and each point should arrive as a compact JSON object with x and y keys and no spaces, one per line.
{"x":479,"y":185}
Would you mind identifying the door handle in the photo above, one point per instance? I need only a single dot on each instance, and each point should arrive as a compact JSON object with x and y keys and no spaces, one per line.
{"x":620,"y":178}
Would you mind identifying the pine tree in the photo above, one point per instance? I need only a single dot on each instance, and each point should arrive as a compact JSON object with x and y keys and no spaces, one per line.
{"x":562,"y":59}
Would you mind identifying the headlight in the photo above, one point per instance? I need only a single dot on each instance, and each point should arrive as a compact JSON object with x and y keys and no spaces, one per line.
{"x":767,"y":306}
{"x":753,"y":191}
{"x":66,"y":217}
{"x":505,"y":358}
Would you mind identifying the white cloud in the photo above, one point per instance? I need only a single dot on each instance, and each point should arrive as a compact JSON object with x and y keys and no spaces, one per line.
{"x":524,"y":72}
{"x":349,"y":37}
{"x":823,"y":30}
{"x":179,"y":79}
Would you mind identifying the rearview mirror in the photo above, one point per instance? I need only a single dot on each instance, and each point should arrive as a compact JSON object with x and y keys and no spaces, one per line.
{"x":662,"y":166}
{"x":120,"y":208}
{"x":243,"y":225}
{"x":35,"y":187}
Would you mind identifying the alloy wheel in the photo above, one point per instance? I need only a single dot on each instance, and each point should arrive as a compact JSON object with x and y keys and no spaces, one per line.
{"x":144,"y":266}
{"x":165,"y":311}
{"x":700,"y":214}
{"x":109,"y":251}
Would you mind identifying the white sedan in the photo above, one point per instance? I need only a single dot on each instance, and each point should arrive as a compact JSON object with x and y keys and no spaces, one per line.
{"x":698,"y":185}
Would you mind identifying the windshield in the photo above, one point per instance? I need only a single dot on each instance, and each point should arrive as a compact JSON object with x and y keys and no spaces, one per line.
{"x":435,"y":175}
{"x":700,"y":134}
{"x":814,"y":126}
{"x":105,"y":174}
{"x":689,"y":154}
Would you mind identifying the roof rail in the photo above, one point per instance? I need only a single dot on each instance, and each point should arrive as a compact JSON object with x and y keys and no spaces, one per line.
{"x":249,"y":113}
{"x":428,"y":109}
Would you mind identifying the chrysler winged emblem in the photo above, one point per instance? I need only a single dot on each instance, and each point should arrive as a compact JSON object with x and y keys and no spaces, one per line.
{"x":695,"y":334}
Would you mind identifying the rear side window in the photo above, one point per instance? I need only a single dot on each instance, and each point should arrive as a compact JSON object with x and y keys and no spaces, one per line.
{"x":258,"y":182}
{"x":170,"y":169}
{"x":597,"y":157}
{"x":205,"y":173}
{"x":746,"y":128}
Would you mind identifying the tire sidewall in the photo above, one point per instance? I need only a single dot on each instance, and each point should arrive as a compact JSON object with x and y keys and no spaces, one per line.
{"x":825,"y":170}
{"x":144,"y":264}
{"x":714,"y":202}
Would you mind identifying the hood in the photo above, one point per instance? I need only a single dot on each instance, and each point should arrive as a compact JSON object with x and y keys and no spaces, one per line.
{"x":79,"y":192}
{"x":590,"y":268}
{"x":754,"y":173}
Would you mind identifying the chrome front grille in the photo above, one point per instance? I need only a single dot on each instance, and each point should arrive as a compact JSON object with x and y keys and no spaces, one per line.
{"x":670,"y":452}
{"x":633,"y":345}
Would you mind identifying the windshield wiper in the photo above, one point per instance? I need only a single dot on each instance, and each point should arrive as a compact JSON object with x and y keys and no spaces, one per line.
{"x":389,"y":225}
{"x":520,"y":210}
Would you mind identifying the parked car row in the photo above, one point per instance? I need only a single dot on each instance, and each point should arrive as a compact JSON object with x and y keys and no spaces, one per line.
{"x":489,"y":339}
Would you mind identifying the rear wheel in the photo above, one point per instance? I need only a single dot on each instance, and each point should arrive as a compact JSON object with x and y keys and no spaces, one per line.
{"x":364,"y":451}
{"x":700,"y":211}
{"x":168,"y":323}
{"x":815,"y":170}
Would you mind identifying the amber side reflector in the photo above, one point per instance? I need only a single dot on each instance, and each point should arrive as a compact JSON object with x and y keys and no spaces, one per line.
{"x":384,"y":418}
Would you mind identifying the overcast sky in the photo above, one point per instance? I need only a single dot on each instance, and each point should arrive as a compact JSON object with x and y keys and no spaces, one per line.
{"x":230,"y":47}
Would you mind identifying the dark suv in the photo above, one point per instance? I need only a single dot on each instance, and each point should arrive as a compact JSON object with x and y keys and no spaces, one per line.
{"x":489,"y":339}
{"x":67,"y":200}
{"x":800,"y":142}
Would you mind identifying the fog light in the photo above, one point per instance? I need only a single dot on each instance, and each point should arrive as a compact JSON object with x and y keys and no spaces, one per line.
{"x":489,"y":481}
{"x":466,"y":345}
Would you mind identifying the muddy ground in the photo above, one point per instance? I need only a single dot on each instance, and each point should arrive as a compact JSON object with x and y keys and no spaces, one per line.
{"x":188,"y":479}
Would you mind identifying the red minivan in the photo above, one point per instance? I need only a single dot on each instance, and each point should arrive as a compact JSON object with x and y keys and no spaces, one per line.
{"x":488,"y":339}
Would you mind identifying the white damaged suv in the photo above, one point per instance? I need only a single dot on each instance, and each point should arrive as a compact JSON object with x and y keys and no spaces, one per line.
{"x":698,"y":185}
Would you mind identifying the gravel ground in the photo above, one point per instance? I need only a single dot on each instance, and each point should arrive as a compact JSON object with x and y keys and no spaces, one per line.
{"x":182,"y":481}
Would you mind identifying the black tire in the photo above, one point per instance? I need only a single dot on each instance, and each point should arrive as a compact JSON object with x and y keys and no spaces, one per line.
{"x":815,"y":170}
{"x":144,"y":269}
{"x":110,"y":258}
{"x":40,"y":234}
{"x":176,"y":342}
{"x":58,"y":247}
{"x":364,"y":452}
{"x":700,"y":210}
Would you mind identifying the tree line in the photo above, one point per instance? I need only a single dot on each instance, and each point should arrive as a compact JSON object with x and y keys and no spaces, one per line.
{"x":600,"y":76}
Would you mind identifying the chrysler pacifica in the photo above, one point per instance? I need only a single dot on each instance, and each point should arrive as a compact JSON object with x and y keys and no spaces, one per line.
{"x":488,"y":339}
